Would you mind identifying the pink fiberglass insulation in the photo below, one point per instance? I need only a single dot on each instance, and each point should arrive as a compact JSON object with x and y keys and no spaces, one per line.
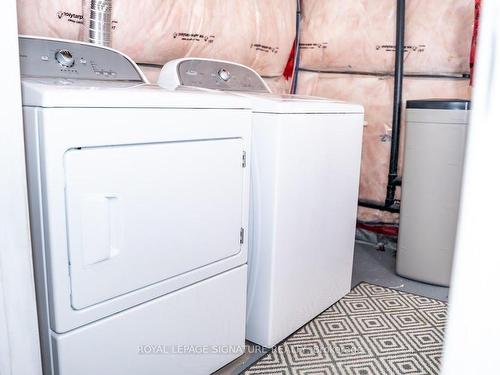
{"x":278,"y":85}
{"x":341,"y":35}
{"x":152,"y":73}
{"x":359,"y":35}
{"x":257,"y":33}
{"x":52,"y":18}
{"x":375,"y":94}
{"x":438,"y":36}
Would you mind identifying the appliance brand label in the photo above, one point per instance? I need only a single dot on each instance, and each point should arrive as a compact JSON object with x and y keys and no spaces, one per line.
{"x":70,"y":17}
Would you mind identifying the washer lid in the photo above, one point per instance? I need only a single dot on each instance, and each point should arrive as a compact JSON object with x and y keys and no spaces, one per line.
{"x":275,"y":103}
{"x":444,"y":104}
{"x":56,"y":92}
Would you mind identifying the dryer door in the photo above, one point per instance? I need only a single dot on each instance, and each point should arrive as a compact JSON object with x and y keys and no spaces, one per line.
{"x":141,"y":214}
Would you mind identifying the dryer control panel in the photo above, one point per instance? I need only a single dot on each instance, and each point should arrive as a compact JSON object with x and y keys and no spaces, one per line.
{"x":43,"y":57}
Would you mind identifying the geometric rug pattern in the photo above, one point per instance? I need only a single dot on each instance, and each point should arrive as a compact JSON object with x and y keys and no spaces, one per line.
{"x":371,"y":331}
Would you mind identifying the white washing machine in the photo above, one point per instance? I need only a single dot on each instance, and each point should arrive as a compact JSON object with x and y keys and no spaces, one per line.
{"x":139,"y":208}
{"x":306,"y":155}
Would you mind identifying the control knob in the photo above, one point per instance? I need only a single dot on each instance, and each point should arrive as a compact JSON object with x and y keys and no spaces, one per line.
{"x":65,"y":58}
{"x":224,"y":75}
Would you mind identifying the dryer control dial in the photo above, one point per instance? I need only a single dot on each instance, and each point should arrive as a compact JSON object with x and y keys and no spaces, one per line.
{"x":65,"y":58}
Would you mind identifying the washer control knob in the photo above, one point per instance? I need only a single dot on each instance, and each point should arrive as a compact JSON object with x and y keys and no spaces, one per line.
{"x":65,"y":58}
{"x":224,"y":74}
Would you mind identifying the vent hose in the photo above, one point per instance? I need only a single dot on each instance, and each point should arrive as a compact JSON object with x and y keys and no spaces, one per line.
{"x":100,"y":23}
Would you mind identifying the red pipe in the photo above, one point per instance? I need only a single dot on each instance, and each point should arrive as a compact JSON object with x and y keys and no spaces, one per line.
{"x":387,"y":230}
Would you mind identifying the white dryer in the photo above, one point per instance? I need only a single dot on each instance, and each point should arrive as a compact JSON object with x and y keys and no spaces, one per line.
{"x":306,"y":155}
{"x":139,"y":207}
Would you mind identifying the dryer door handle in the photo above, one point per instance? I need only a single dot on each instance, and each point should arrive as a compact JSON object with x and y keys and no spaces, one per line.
{"x":100,"y":228}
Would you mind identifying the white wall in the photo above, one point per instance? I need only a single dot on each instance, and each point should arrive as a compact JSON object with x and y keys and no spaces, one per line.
{"x":473,"y":334}
{"x":19,"y":348}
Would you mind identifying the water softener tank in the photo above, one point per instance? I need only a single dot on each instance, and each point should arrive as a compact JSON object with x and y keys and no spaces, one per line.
{"x":432,"y":176}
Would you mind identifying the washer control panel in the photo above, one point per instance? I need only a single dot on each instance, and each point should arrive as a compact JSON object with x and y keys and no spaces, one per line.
{"x":219,"y":75}
{"x":41,"y":57}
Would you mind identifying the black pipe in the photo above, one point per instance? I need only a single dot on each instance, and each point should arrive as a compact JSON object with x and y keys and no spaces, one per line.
{"x":390,"y":204}
{"x":397,"y":103}
{"x":378,"y":206}
{"x":375,"y":74}
{"x":296,"y":63}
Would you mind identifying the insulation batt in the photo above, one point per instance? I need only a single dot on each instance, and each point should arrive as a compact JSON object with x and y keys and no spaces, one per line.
{"x":52,"y":18}
{"x":359,"y":35}
{"x":152,"y":73}
{"x":278,"y":85}
{"x":438,"y":37}
{"x":344,"y":35}
{"x":375,"y":94}
{"x":257,"y":33}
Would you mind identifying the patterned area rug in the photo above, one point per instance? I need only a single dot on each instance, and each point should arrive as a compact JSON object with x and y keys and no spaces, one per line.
{"x":371,"y":331}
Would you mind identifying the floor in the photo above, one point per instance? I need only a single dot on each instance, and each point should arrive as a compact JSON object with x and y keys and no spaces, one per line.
{"x":378,"y":267}
{"x":370,"y":265}
{"x":373,"y":330}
